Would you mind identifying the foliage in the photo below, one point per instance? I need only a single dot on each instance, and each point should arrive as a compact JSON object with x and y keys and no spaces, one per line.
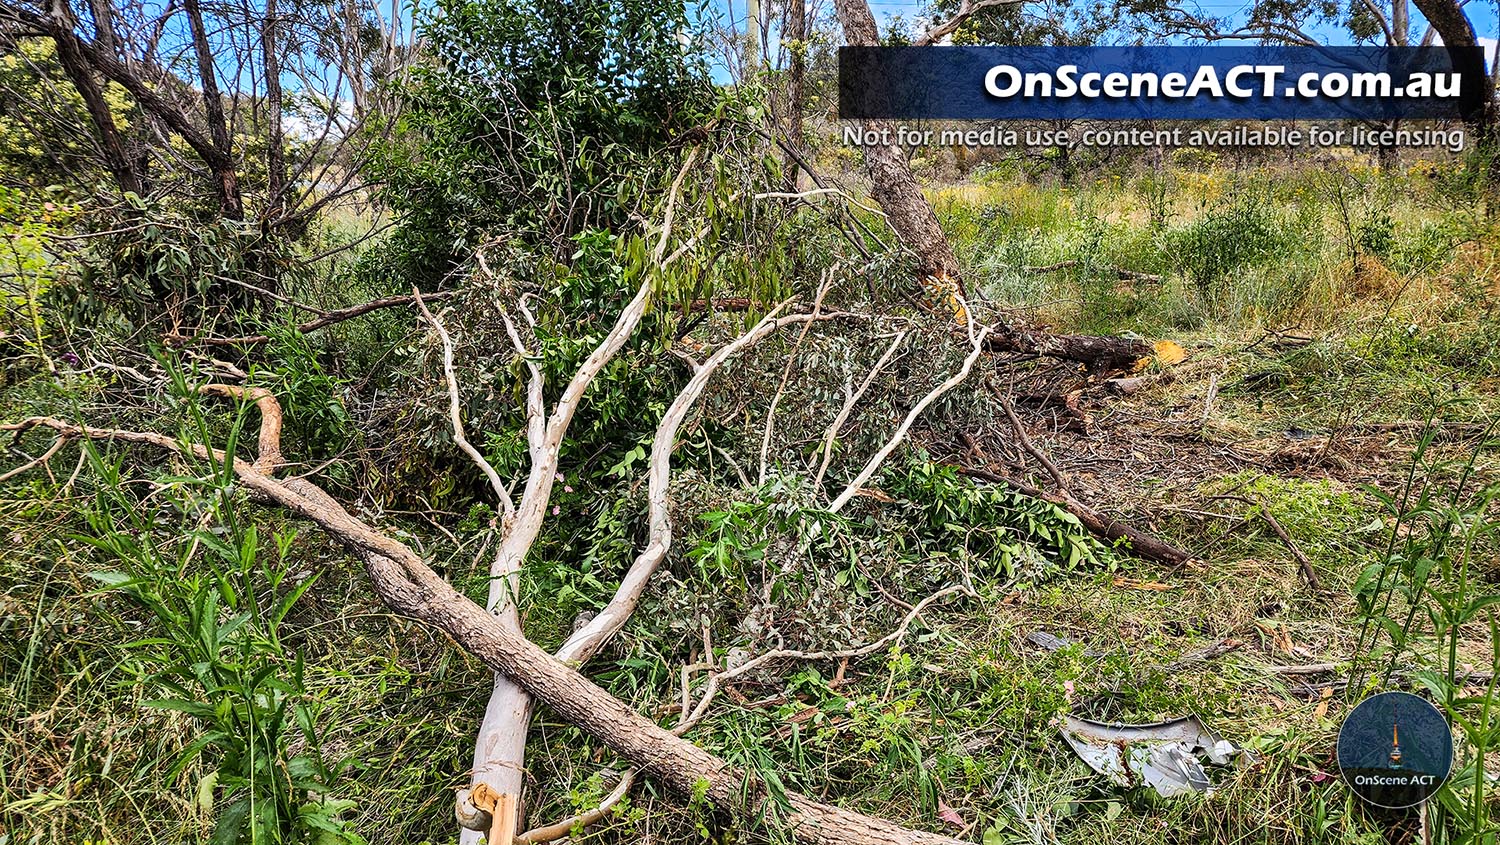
{"x":1419,"y":599}
{"x":29,"y":272}
{"x":1001,"y":531}
{"x":527,"y":123}
{"x":216,"y":603}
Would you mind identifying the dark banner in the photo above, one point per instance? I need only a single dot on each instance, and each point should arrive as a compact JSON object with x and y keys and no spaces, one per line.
{"x":1159,"y":83}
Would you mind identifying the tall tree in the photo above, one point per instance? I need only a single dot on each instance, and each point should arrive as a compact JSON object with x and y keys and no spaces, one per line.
{"x":185,"y":136}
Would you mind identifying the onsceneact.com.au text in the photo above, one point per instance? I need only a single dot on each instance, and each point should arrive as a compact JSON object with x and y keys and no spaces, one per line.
{"x":1269,"y":81}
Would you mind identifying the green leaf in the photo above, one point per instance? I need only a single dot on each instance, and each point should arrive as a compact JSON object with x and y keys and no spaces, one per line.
{"x":206,"y":786}
{"x":231,"y":827}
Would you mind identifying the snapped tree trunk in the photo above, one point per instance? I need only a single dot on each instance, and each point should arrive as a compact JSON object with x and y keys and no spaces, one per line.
{"x":893,"y":185}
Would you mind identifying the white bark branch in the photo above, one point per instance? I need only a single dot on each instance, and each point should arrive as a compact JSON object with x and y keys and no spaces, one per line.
{"x":500,"y":745}
{"x":873,"y":465}
{"x":587,"y":641}
{"x":843,"y":416}
{"x":455,"y":417}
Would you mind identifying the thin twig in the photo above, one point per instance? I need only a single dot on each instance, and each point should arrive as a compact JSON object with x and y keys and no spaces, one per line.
{"x":1025,"y":441}
{"x":61,"y":441}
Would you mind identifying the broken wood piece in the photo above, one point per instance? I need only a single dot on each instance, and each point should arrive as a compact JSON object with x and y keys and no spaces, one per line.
{"x":1138,"y":542}
{"x":1097,"y":354}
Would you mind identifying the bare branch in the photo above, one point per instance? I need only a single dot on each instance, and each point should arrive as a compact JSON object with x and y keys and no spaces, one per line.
{"x":500,"y":745}
{"x":558,"y":830}
{"x":838,"y":422}
{"x":455,"y":418}
{"x":718,"y":680}
{"x":977,"y":347}
{"x":1025,"y":441}
{"x":46,"y":456}
{"x":587,"y":641}
{"x":965,"y":11}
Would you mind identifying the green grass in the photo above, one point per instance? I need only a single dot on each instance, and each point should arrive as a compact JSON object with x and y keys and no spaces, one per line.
{"x":1381,"y":290}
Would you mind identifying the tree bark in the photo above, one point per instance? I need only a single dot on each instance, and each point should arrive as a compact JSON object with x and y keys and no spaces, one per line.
{"x":1449,"y":21}
{"x":892,"y":183}
{"x":1098,"y":354}
{"x":796,"y":38}
{"x":227,"y":180}
{"x":1400,"y":22}
{"x":76,"y":66}
{"x":275,"y":140}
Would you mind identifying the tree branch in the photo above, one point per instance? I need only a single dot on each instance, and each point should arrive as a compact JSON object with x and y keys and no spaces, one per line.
{"x":404,"y":582}
{"x":966,"y":9}
{"x":977,"y":347}
{"x":456,"y":418}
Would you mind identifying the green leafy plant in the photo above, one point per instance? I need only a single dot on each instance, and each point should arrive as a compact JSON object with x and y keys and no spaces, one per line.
{"x":214,"y":600}
{"x":1418,"y":601}
{"x":1006,"y":533}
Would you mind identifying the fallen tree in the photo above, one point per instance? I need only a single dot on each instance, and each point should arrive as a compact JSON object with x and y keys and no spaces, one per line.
{"x":405,"y":582}
{"x":493,"y":632}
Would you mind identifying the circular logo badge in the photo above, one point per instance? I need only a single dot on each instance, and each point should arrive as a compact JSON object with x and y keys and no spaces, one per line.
{"x":1395,"y":750}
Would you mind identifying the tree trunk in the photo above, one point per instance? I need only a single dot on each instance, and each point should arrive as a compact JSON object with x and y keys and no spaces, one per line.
{"x":892,"y":183}
{"x":213,"y":108}
{"x":275,"y":141}
{"x":1449,"y":21}
{"x":796,"y":38}
{"x":752,"y":38}
{"x":1400,"y":22}
{"x":405,"y":583}
{"x":1098,"y":354}
{"x":76,"y":66}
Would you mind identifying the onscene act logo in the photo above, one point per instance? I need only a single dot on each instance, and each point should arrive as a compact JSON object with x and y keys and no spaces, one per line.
{"x":1395,"y":750}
